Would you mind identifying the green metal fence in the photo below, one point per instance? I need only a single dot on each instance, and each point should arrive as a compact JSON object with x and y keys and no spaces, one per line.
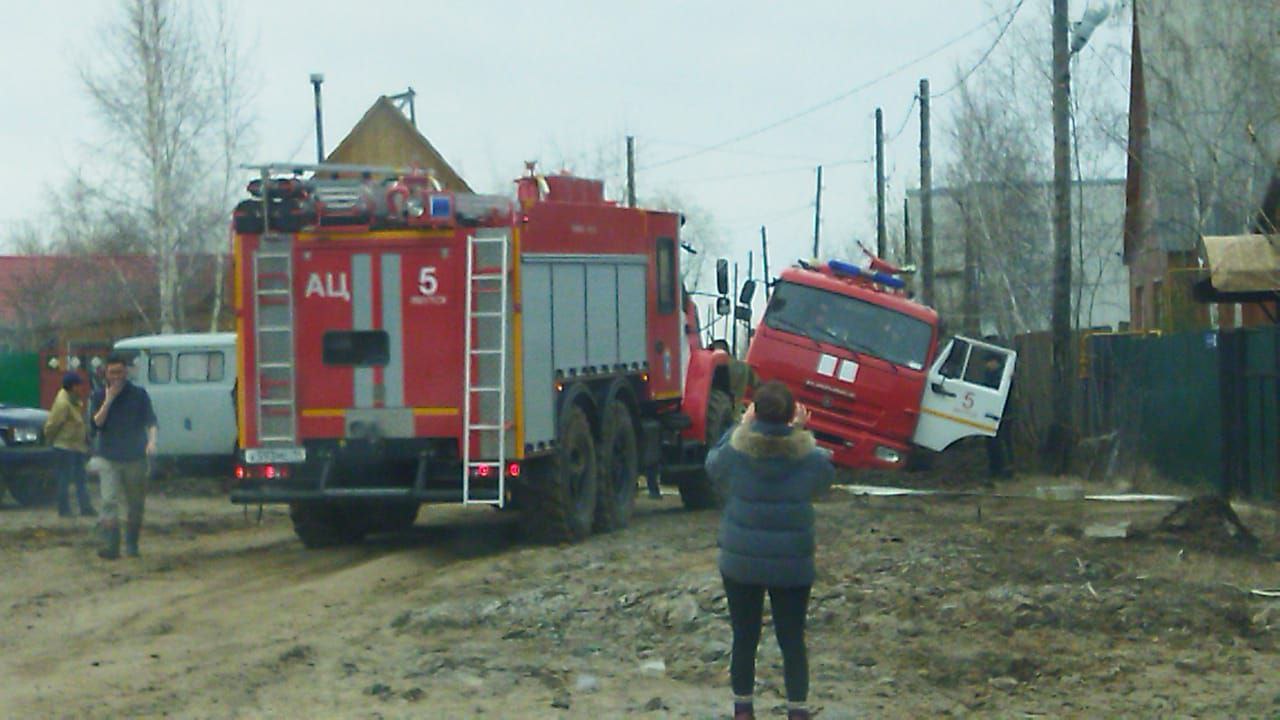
{"x":1161,"y":394}
{"x":1202,"y":407}
{"x":20,"y":379}
{"x":1250,"y":382}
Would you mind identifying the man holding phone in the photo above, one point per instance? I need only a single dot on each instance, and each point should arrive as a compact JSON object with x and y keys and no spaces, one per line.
{"x":124,"y":424}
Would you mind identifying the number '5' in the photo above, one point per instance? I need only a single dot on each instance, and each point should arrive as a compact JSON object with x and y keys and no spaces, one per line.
{"x":427,"y":282}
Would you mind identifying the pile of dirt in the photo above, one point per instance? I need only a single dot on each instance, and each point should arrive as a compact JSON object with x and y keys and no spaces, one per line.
{"x":1207,"y":522}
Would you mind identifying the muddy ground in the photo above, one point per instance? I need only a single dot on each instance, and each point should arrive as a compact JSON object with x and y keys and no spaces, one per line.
{"x":926,"y":606}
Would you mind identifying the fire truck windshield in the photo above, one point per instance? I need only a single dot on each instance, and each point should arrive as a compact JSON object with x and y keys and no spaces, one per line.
{"x":850,"y":323}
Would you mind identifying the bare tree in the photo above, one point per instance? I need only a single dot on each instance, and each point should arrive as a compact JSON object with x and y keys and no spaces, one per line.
{"x":1211,"y":84}
{"x":167,"y":95}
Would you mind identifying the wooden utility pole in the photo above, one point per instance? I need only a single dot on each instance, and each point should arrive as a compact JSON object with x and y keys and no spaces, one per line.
{"x":881,"y":239}
{"x":1059,"y":442}
{"x":926,"y":199}
{"x":972,"y":315}
{"x":764,"y":257}
{"x":907,"y":256}
{"x":817,"y":213}
{"x":631,"y":171}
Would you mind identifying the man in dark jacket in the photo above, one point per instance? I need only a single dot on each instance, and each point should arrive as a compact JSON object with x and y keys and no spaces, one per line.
{"x":772,"y":470}
{"x":125,"y":427}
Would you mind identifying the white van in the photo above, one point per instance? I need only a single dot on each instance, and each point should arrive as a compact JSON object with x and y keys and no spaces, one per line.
{"x":190,"y":378}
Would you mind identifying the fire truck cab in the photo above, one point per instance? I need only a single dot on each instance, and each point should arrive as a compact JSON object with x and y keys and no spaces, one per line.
{"x":867,"y":361}
{"x":401,"y":344}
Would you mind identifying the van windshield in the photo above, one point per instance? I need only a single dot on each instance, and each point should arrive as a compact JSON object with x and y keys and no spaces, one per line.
{"x":850,"y":323}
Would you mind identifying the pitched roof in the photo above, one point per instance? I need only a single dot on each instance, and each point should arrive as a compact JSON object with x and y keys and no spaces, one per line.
{"x":384,"y":136}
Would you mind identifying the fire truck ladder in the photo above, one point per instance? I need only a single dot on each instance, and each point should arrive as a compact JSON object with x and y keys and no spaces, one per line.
{"x":484,"y":422}
{"x":273,"y":341}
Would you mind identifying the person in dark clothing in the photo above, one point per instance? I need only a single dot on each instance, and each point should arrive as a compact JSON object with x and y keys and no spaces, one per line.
{"x":998,"y":450}
{"x":772,"y":470}
{"x":124,"y":424}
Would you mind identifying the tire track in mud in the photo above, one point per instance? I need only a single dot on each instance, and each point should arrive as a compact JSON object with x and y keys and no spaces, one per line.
{"x":234,"y":608}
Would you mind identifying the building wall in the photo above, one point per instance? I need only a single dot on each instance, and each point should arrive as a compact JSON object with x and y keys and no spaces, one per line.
{"x":1207,"y":78}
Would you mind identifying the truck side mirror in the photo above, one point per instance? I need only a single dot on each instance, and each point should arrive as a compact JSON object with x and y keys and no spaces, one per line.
{"x":748,"y":291}
{"x":722,"y":278}
{"x":722,"y":306}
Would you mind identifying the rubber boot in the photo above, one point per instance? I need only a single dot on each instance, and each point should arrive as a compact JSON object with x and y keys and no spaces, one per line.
{"x":109,"y":542}
{"x":131,"y":533}
{"x":743,"y":711}
{"x":798,"y":714}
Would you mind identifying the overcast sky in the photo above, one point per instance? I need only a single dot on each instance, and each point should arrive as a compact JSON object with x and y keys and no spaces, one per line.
{"x":502,"y":82}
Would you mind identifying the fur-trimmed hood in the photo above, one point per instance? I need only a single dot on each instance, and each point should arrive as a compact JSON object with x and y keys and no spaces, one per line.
{"x":751,"y":442}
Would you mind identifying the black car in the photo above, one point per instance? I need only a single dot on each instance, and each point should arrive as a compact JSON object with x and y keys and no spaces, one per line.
{"x":26,"y":463}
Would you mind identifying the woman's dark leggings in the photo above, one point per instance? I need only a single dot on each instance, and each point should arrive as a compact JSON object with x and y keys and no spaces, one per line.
{"x":746,"y":611}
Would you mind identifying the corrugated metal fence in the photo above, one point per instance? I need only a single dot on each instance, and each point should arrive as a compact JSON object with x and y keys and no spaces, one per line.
{"x":1201,"y":407}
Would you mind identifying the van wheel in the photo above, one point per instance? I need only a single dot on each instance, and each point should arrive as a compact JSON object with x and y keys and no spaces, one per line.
{"x":558,"y":499}
{"x":619,"y":469}
{"x":326,"y":524}
{"x":697,"y":490}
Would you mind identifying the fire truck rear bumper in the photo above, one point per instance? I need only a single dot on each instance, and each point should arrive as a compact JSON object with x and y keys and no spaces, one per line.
{"x":267,"y":495}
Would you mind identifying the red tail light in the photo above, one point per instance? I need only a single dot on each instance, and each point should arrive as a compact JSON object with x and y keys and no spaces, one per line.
{"x":513,"y":470}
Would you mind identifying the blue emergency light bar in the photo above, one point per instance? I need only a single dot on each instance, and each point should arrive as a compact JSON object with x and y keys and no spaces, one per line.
{"x":840,"y":267}
{"x":441,"y":206}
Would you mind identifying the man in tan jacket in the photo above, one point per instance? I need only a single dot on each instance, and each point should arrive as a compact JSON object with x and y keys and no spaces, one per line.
{"x":65,"y":431}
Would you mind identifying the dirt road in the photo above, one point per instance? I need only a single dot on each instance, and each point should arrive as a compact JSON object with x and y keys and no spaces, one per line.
{"x":926,"y":607}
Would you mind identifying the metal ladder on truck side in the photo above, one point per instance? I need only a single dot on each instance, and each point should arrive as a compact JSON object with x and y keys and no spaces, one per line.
{"x":484,"y":399}
{"x":273,"y":341}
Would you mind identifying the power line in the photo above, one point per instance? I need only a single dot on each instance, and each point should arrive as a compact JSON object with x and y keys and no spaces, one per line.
{"x":999,"y":36}
{"x":779,"y":171}
{"x":827,"y":103}
{"x":751,"y":153}
{"x":906,"y":118}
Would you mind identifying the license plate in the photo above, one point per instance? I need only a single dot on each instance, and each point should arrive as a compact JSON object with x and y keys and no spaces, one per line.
{"x":255,"y":456}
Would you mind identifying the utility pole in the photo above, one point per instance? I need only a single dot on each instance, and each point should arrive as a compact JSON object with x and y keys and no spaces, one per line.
{"x":764,"y":256}
{"x":907,"y":256}
{"x":631,"y":171}
{"x":972,"y":318}
{"x":926,"y":199}
{"x":817,"y":214}
{"x":1059,"y":442}
{"x":316,"y":80}
{"x":881,"y":239}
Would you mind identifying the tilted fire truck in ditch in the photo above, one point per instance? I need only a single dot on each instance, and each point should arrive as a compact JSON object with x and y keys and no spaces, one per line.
{"x":400,"y":344}
{"x":866,"y":359}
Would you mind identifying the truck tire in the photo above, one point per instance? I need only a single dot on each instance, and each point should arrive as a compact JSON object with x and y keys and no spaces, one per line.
{"x":326,"y":524}
{"x":697,"y":490}
{"x":31,"y":488}
{"x":619,"y":469}
{"x":558,"y":499}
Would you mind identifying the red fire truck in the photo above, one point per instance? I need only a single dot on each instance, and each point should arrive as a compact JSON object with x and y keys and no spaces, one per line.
{"x":866,"y":359}
{"x":400,"y":344}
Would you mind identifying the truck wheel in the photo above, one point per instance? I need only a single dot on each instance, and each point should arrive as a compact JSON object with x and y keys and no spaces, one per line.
{"x":326,"y":524}
{"x":31,"y":488}
{"x":559,"y":498}
{"x":619,"y":469}
{"x":697,"y":490}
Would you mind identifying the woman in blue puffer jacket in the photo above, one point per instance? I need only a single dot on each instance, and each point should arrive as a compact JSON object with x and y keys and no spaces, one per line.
{"x":772,"y":470}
